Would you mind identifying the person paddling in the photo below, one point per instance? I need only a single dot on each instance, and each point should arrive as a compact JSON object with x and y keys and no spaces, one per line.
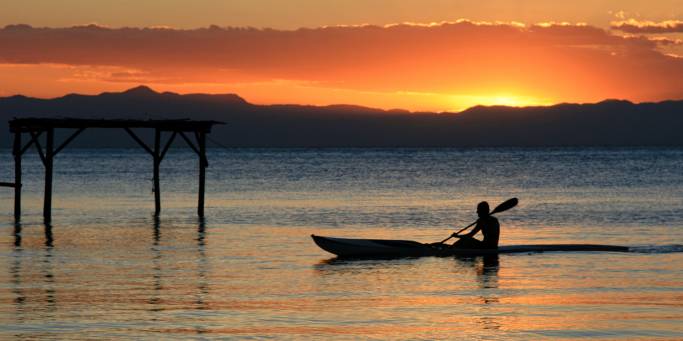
{"x":489,"y":227}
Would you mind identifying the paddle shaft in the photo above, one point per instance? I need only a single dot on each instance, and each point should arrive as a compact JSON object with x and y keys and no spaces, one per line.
{"x":463,"y":229}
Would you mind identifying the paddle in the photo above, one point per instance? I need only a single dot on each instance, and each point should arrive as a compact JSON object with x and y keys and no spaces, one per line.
{"x":506,"y":205}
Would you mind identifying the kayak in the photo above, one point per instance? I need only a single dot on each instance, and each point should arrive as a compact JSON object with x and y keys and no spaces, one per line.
{"x":387,"y":248}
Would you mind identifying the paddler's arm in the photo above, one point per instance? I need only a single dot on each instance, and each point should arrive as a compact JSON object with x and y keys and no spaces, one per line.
{"x":474,"y":231}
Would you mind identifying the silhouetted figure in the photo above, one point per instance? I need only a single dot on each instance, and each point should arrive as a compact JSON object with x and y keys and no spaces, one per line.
{"x":489,"y":227}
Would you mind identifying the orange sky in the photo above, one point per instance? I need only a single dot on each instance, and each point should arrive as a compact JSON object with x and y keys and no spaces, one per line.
{"x":505,"y":52}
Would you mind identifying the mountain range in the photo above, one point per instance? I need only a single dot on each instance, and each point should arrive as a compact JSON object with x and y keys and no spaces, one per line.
{"x":607,"y":123}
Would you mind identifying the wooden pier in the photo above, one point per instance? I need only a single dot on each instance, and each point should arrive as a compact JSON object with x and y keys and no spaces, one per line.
{"x":37,"y":127}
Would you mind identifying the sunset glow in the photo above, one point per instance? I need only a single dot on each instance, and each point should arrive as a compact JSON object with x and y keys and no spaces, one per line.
{"x":383,"y":60}
{"x":341,"y":169}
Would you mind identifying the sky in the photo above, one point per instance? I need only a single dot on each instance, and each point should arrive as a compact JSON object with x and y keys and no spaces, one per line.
{"x":426,"y":55}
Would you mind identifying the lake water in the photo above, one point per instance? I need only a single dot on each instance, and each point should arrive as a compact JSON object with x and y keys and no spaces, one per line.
{"x":106,"y":269}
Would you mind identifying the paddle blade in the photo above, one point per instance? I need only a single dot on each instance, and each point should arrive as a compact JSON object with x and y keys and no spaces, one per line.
{"x":506,"y":205}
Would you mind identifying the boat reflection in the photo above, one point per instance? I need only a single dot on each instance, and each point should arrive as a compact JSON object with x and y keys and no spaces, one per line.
{"x":486,"y":268}
{"x":468,"y":283}
{"x":338,"y":266}
{"x":336,"y":261}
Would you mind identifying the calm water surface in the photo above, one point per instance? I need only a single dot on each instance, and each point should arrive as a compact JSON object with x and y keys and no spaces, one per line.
{"x":107,"y":269}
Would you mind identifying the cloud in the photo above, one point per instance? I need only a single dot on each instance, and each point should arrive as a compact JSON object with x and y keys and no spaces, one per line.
{"x":647,"y":27}
{"x":464,"y":58}
{"x":666,"y":41}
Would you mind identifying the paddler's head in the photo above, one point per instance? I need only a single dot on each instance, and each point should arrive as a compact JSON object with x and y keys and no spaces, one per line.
{"x":483,"y":209}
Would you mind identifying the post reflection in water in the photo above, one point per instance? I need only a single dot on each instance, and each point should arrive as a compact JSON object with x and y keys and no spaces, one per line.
{"x":164,"y":265}
{"x":28,"y":286}
{"x":15,"y":273}
{"x":17,"y":234}
{"x":49,"y":240}
{"x":58,"y":279}
{"x":47,"y":228}
{"x":202,"y":266}
{"x":202,"y":270}
{"x":155,"y":300}
{"x":47,"y":270}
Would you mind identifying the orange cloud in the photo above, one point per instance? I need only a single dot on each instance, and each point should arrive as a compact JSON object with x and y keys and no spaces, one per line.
{"x":645,"y":26}
{"x":489,"y":63}
{"x":666,"y":41}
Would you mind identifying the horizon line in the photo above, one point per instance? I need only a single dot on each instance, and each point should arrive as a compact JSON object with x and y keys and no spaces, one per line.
{"x":147,"y":88}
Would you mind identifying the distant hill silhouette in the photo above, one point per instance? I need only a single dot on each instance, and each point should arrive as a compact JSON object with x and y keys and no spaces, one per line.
{"x":608,"y":123}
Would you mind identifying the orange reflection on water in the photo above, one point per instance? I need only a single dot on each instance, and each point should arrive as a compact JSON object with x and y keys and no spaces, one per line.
{"x":177,"y":280}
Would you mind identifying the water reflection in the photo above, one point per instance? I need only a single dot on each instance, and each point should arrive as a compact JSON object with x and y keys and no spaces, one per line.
{"x":47,"y":228}
{"x":35,"y":283}
{"x":202,"y":266}
{"x":202,"y":274}
{"x":201,"y":233}
{"x":385,"y":274}
{"x":15,"y":273}
{"x":17,"y":234}
{"x":157,"y":286}
{"x":337,"y":265}
{"x":486,"y":269}
{"x":49,"y":240}
{"x":47,"y":270}
{"x":157,"y":231}
{"x":52,"y":280}
{"x":164,"y":257}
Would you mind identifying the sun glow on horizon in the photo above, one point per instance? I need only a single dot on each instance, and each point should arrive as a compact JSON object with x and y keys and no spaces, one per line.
{"x":460,"y":103}
{"x":57,"y":80}
{"x":512,"y":101}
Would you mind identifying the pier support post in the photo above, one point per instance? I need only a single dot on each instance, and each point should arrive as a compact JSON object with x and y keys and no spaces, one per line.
{"x":157,"y":162}
{"x":35,"y":127}
{"x":16,"y":151}
{"x":49,"y":158}
{"x":202,"y":172}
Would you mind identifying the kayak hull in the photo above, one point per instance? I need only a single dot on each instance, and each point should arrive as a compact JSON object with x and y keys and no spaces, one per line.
{"x":345,"y":247}
{"x":387,"y":248}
